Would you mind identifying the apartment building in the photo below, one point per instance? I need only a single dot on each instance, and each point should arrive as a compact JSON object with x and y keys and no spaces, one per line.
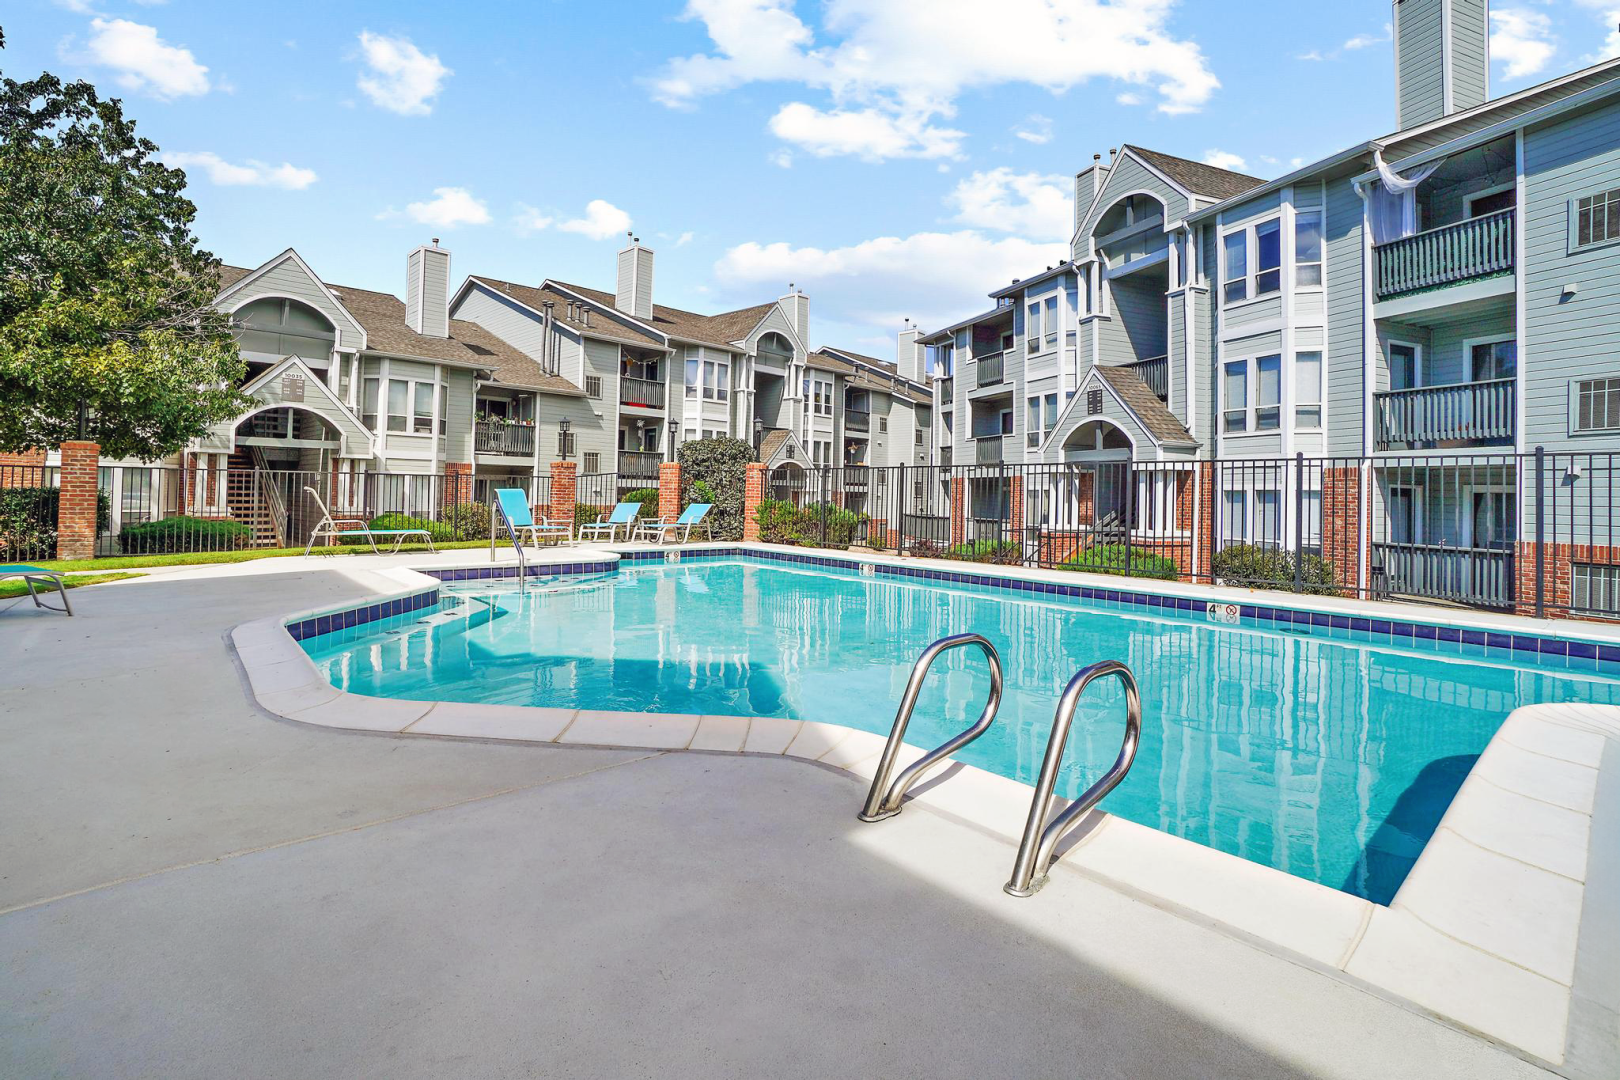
{"x":1413,"y":314}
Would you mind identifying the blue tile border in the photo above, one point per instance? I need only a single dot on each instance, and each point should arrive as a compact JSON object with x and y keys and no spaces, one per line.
{"x":316,"y":625}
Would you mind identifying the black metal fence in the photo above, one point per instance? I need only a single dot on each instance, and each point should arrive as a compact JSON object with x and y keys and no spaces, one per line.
{"x":28,"y":501}
{"x":1533,"y":533}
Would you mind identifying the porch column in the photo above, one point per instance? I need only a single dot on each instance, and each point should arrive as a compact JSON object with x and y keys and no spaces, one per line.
{"x":563,"y":490}
{"x":753,"y":495}
{"x":669,"y":490}
{"x":76,"y":505}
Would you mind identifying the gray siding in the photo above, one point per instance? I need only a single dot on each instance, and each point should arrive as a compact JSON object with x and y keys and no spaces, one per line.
{"x":597,"y":426}
{"x":1419,"y":54}
{"x":1579,"y":337}
{"x":1139,"y":323}
{"x":1129,"y":175}
{"x":505,"y":318}
{"x":288,"y":279}
{"x":1176,"y":349}
{"x":1345,"y":355}
{"x":1469,"y":77}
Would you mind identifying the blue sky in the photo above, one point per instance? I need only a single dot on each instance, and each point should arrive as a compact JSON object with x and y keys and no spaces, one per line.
{"x":894,"y":158}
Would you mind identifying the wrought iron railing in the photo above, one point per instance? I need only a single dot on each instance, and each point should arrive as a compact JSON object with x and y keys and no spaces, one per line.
{"x":1472,"y":414}
{"x":1468,"y":249}
{"x":494,"y":437}
{"x":1155,"y":371}
{"x":646,"y":393}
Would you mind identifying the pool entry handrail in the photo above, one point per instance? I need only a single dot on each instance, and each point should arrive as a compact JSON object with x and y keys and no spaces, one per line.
{"x":883,"y":801}
{"x":497,"y":512}
{"x":1036,"y":850}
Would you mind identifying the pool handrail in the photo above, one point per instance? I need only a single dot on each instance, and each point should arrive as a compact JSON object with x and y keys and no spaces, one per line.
{"x":883,"y":801}
{"x":1040,"y":841}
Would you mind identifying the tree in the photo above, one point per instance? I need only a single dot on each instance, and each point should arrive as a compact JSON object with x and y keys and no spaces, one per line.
{"x":106,"y":301}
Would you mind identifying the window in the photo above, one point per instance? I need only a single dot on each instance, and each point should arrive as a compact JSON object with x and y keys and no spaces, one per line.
{"x":823,"y":397}
{"x":422,"y":420}
{"x":368,"y":403}
{"x":593,"y":386}
{"x":1262,"y":412}
{"x":918,"y":436}
{"x":1597,"y":218}
{"x":1032,"y":328}
{"x":1493,"y":359}
{"x":1308,"y":248}
{"x":1403,"y":515}
{"x":1006,"y":421}
{"x":1235,"y":272}
{"x":1595,"y":588}
{"x":1405,"y":366}
{"x":1311,"y":526}
{"x":1051,"y":322}
{"x":1268,"y":257}
{"x":1494,"y":526}
{"x":716,"y":380}
{"x":1491,"y":202}
{"x":1007,"y":341}
{"x":1051,"y":412}
{"x":693,"y":373}
{"x":1308,"y":390}
{"x":883,"y":424}
{"x":1597,"y":404}
{"x":399,"y":399}
{"x":1235,"y":519}
{"x":1268,"y":517}
{"x":444,"y":410}
{"x":593,"y":461}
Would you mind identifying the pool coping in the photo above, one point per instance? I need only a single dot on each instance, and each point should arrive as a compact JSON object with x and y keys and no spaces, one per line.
{"x":1486,"y":933}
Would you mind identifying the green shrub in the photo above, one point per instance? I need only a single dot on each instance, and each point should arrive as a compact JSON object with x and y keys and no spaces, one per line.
{"x":440,"y":531}
{"x":28,"y":522}
{"x":1273,"y":568}
{"x":923,"y":548}
{"x":1000,"y":552}
{"x":721,"y":467}
{"x":469,"y":521}
{"x":828,"y":525}
{"x":1112,"y":559}
{"x":647,"y":497}
{"x":182,"y":533}
{"x":779,"y":522}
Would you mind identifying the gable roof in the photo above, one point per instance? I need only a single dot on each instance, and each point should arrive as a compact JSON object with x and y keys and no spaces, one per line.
{"x":838,"y":360}
{"x":607,"y":328}
{"x":721,"y":330}
{"x":1195,"y":176}
{"x":1156,"y":419}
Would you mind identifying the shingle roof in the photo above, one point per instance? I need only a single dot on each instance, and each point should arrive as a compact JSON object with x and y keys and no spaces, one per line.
{"x":382,"y":316}
{"x":826,"y":361}
{"x":1141,"y":400}
{"x":1196,"y":177}
{"x":720,"y":329}
{"x":601,"y":326}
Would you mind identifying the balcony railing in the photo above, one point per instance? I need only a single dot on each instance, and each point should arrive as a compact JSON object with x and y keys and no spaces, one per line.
{"x":987,"y":450}
{"x":641,"y":465}
{"x":857,"y":420}
{"x":989,"y":370}
{"x":947,"y":390}
{"x":513,"y":440}
{"x":1478,"y":576}
{"x":643,"y":392}
{"x":1464,"y":414}
{"x":1468,"y":249}
{"x":1155,"y":371}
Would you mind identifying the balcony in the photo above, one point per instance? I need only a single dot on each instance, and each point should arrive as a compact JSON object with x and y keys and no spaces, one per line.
{"x":639,"y":465}
{"x":947,"y":390}
{"x":1430,"y":417}
{"x":1155,"y":371}
{"x":989,"y":370}
{"x":641,"y":393}
{"x":511,"y":440}
{"x":1477,"y":248}
{"x":1481,"y":577}
{"x":857,"y":420}
{"x":988,"y":450}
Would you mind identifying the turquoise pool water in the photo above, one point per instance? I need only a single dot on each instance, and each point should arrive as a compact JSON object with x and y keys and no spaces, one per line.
{"x":1329,"y":759}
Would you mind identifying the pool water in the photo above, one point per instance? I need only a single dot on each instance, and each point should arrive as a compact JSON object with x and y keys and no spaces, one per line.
{"x":1327,"y":758}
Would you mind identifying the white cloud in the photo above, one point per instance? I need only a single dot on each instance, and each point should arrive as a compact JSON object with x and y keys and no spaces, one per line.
{"x":529,"y":219}
{"x":873,"y":134}
{"x":782,"y":159}
{"x":1608,"y":12}
{"x":1314,"y":54}
{"x":449,"y":207}
{"x":602,"y":219}
{"x":1521,"y":39}
{"x":250,"y":173}
{"x":82,"y":7}
{"x":400,"y":77}
{"x":1362,"y":41}
{"x":933,"y":276}
{"x":1028,"y":204}
{"x":684,"y":239}
{"x":1225,"y":159}
{"x":893,"y":68}
{"x":143,"y":61}
{"x":1035,"y":128}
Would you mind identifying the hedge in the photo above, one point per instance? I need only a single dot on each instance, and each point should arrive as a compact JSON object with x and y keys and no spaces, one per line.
{"x":815,"y":525}
{"x":1273,"y":568}
{"x":1000,"y":552}
{"x":719,"y":469}
{"x":28,"y":522}
{"x":182,"y":533}
{"x":1112,"y":559}
{"x":439,"y":531}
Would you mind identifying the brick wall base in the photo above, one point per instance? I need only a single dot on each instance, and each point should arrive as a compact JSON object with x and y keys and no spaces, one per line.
{"x":564,"y":491}
{"x":669,"y":490}
{"x":753,"y":495}
{"x":76,"y":509}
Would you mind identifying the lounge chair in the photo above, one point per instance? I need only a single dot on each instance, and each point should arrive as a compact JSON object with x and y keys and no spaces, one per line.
{"x":334,"y":529}
{"x":513,"y":504}
{"x":680,"y":528}
{"x":33,"y":574}
{"x":623,"y":517}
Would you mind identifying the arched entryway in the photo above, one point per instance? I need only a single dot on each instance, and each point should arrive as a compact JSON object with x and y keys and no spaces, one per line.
{"x":281,"y":452}
{"x":788,"y":483}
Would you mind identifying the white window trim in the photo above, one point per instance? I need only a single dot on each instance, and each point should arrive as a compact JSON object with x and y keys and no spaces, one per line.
{"x":1575,"y":430}
{"x":1292,"y":385}
{"x":1574,"y":244}
{"x":1251,"y":389}
{"x":1251,"y":260}
{"x":1468,"y":200}
{"x":1418,"y":531}
{"x":1492,"y":339}
{"x":1320,"y":286}
{"x":1417,"y":363}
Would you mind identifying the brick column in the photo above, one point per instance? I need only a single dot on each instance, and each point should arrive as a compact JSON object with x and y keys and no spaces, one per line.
{"x":1017,"y":497}
{"x":76,"y":510}
{"x":563,"y":489}
{"x":669,"y":490}
{"x":753,"y":495}
{"x":1342,"y":515}
{"x":458,"y":482}
{"x":23,"y":469}
{"x":958,"y":510}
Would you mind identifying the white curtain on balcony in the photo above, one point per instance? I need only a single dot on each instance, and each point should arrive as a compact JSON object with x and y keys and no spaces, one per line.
{"x":1393,"y":201}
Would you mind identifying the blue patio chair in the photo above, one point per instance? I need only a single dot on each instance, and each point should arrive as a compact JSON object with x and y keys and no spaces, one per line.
{"x":679,"y":529}
{"x":623,"y":517}
{"x":514,"y":506}
{"x":33,"y":574}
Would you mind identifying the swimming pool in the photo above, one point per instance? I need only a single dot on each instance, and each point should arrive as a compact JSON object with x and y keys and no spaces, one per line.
{"x":1330,"y":754}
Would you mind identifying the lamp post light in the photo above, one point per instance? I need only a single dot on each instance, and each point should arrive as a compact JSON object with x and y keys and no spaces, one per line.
{"x":565,"y":442}
{"x":674,"y":426}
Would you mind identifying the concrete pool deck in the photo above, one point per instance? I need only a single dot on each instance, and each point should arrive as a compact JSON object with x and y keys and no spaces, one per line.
{"x":189,"y":887}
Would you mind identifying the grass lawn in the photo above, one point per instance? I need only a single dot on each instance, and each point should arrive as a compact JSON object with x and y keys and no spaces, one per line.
{"x":120,"y":562}
{"x":9,"y":589}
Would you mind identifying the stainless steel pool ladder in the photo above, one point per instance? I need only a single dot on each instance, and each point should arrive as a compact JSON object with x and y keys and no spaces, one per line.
{"x":883,"y":800}
{"x":1036,"y":850}
{"x":495,"y":512}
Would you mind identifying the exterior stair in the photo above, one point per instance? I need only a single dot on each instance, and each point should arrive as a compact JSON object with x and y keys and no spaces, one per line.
{"x":247,"y":500}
